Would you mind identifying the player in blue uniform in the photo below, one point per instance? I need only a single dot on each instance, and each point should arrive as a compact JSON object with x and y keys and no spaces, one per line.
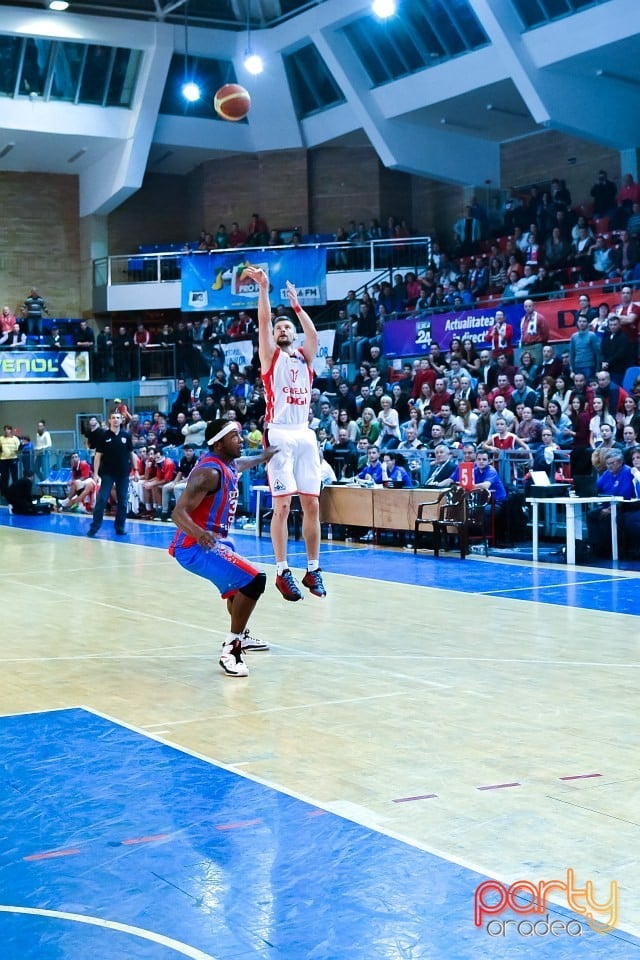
{"x":203,"y":516}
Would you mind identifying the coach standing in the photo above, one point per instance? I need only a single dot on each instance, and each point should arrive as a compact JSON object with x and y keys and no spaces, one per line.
{"x":113,"y":462}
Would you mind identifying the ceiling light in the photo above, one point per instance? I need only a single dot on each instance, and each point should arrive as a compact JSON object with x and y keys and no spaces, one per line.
{"x":191,"y":91}
{"x":58,"y":4}
{"x":384,"y":8}
{"x":253,"y":63}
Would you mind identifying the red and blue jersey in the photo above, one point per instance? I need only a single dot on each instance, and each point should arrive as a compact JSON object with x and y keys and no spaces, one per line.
{"x":217,"y":510}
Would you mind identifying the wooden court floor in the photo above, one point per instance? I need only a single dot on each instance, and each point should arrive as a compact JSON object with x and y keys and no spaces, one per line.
{"x":471,"y":708}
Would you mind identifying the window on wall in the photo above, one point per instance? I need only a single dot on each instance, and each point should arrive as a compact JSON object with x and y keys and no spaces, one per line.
{"x":534,"y":13}
{"x":210,"y":75}
{"x":312,"y":85}
{"x":68,"y":71}
{"x":428,"y":32}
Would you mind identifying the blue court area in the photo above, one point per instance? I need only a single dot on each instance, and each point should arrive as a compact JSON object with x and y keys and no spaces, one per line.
{"x":595,"y":588}
{"x":116,"y":845}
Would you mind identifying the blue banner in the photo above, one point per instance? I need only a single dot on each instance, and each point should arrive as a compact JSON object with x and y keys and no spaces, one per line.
{"x":21,"y":366}
{"x":411,"y":336}
{"x":217,"y":281}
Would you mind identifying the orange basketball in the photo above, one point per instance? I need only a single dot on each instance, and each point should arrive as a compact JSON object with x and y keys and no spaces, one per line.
{"x":232,"y":102}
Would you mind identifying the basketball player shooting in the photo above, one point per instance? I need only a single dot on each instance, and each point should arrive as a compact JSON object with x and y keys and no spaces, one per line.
{"x":287,"y":376}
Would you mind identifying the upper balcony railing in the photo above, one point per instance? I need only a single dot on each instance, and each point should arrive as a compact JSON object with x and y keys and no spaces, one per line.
{"x":372,"y":257}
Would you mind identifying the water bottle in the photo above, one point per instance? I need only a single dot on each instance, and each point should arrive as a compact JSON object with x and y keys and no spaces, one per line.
{"x":329,"y":532}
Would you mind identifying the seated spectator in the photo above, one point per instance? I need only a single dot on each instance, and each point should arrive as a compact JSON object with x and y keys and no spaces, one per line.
{"x":389,"y":422}
{"x":372,"y":470}
{"x":393,"y":475}
{"x":81,"y":487}
{"x":236,"y":236}
{"x":7,"y":321}
{"x":485,"y":477}
{"x":14,"y":339}
{"x":443,"y":467}
{"x":194,"y":431}
{"x":529,"y":429}
{"x":177,"y":485}
{"x":617,"y":480}
{"x":606,"y":443}
{"x":21,"y":498}
{"x":559,"y":424}
{"x":164,"y":471}
{"x":342,"y":455}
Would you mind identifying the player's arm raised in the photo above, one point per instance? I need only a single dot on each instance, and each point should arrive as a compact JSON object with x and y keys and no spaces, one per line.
{"x":201,"y":483}
{"x":310,"y":346}
{"x":246,"y":463}
{"x":266,"y":341}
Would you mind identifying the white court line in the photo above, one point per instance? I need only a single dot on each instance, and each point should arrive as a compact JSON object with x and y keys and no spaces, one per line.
{"x":278,"y":709}
{"x":352,"y":813}
{"x":159,"y":938}
{"x":551,"y":586}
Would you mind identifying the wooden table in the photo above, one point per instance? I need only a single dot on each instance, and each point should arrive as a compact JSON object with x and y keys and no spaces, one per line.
{"x":573,"y":507}
{"x":376,"y":508}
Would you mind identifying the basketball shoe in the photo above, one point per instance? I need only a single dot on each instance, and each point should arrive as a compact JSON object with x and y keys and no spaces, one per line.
{"x":288,"y":586}
{"x":254,"y":644}
{"x":232,"y":661}
{"x":312,"y":580}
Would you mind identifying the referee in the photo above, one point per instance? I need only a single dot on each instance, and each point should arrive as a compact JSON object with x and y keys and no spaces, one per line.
{"x":113,"y":462}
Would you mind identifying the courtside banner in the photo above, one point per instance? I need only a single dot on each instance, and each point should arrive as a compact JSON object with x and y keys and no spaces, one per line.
{"x":411,"y":336}
{"x":21,"y":366}
{"x":218,"y":281}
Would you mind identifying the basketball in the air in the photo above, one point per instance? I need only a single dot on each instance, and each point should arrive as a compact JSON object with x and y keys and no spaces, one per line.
{"x":232,"y":102}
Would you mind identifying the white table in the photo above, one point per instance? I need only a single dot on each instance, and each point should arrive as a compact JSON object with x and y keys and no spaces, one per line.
{"x":259,"y":488}
{"x":574,"y":520}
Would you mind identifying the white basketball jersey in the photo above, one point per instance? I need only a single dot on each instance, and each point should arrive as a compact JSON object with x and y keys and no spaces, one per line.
{"x":287,"y":388}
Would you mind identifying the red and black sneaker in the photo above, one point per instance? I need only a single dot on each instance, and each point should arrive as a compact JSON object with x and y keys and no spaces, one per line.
{"x":312,"y":580}
{"x":288,"y":586}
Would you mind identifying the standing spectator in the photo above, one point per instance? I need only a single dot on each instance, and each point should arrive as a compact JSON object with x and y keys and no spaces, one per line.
{"x":9,"y":450}
{"x":113,"y":462}
{"x":42,"y":451}
{"x":604,"y":195}
{"x":104,"y":354}
{"x":535,"y":331}
{"x":122,"y":347}
{"x":584,"y":349}
{"x":618,"y":352}
{"x":629,"y":313}
{"x":33,"y":310}
{"x":84,"y":338}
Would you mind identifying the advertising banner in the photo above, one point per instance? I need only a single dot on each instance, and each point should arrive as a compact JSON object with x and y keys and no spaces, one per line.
{"x":218,"y":281}
{"x":21,"y":366}
{"x":411,"y":336}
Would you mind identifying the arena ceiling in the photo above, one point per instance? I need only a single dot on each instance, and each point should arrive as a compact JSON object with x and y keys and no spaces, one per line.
{"x":436,"y":92}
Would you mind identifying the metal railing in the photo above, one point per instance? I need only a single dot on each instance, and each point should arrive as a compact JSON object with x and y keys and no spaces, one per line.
{"x":375,"y":256}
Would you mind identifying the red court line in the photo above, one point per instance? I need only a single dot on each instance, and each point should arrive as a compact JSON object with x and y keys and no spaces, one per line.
{"x":424,"y":796}
{"x":158,"y":836}
{"x":499,"y":786}
{"x":581,"y":776}
{"x":235,"y":826}
{"x":52,"y":854}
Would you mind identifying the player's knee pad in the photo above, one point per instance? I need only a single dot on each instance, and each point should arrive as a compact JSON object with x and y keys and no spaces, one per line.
{"x":256,"y":588}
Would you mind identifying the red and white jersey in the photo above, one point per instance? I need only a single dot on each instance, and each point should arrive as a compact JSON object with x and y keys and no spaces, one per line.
{"x":287,"y":389}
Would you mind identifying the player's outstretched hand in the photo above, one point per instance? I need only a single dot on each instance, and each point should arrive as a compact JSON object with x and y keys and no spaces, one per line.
{"x":258,"y":276}
{"x":270,"y":452}
{"x":292,"y":293}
